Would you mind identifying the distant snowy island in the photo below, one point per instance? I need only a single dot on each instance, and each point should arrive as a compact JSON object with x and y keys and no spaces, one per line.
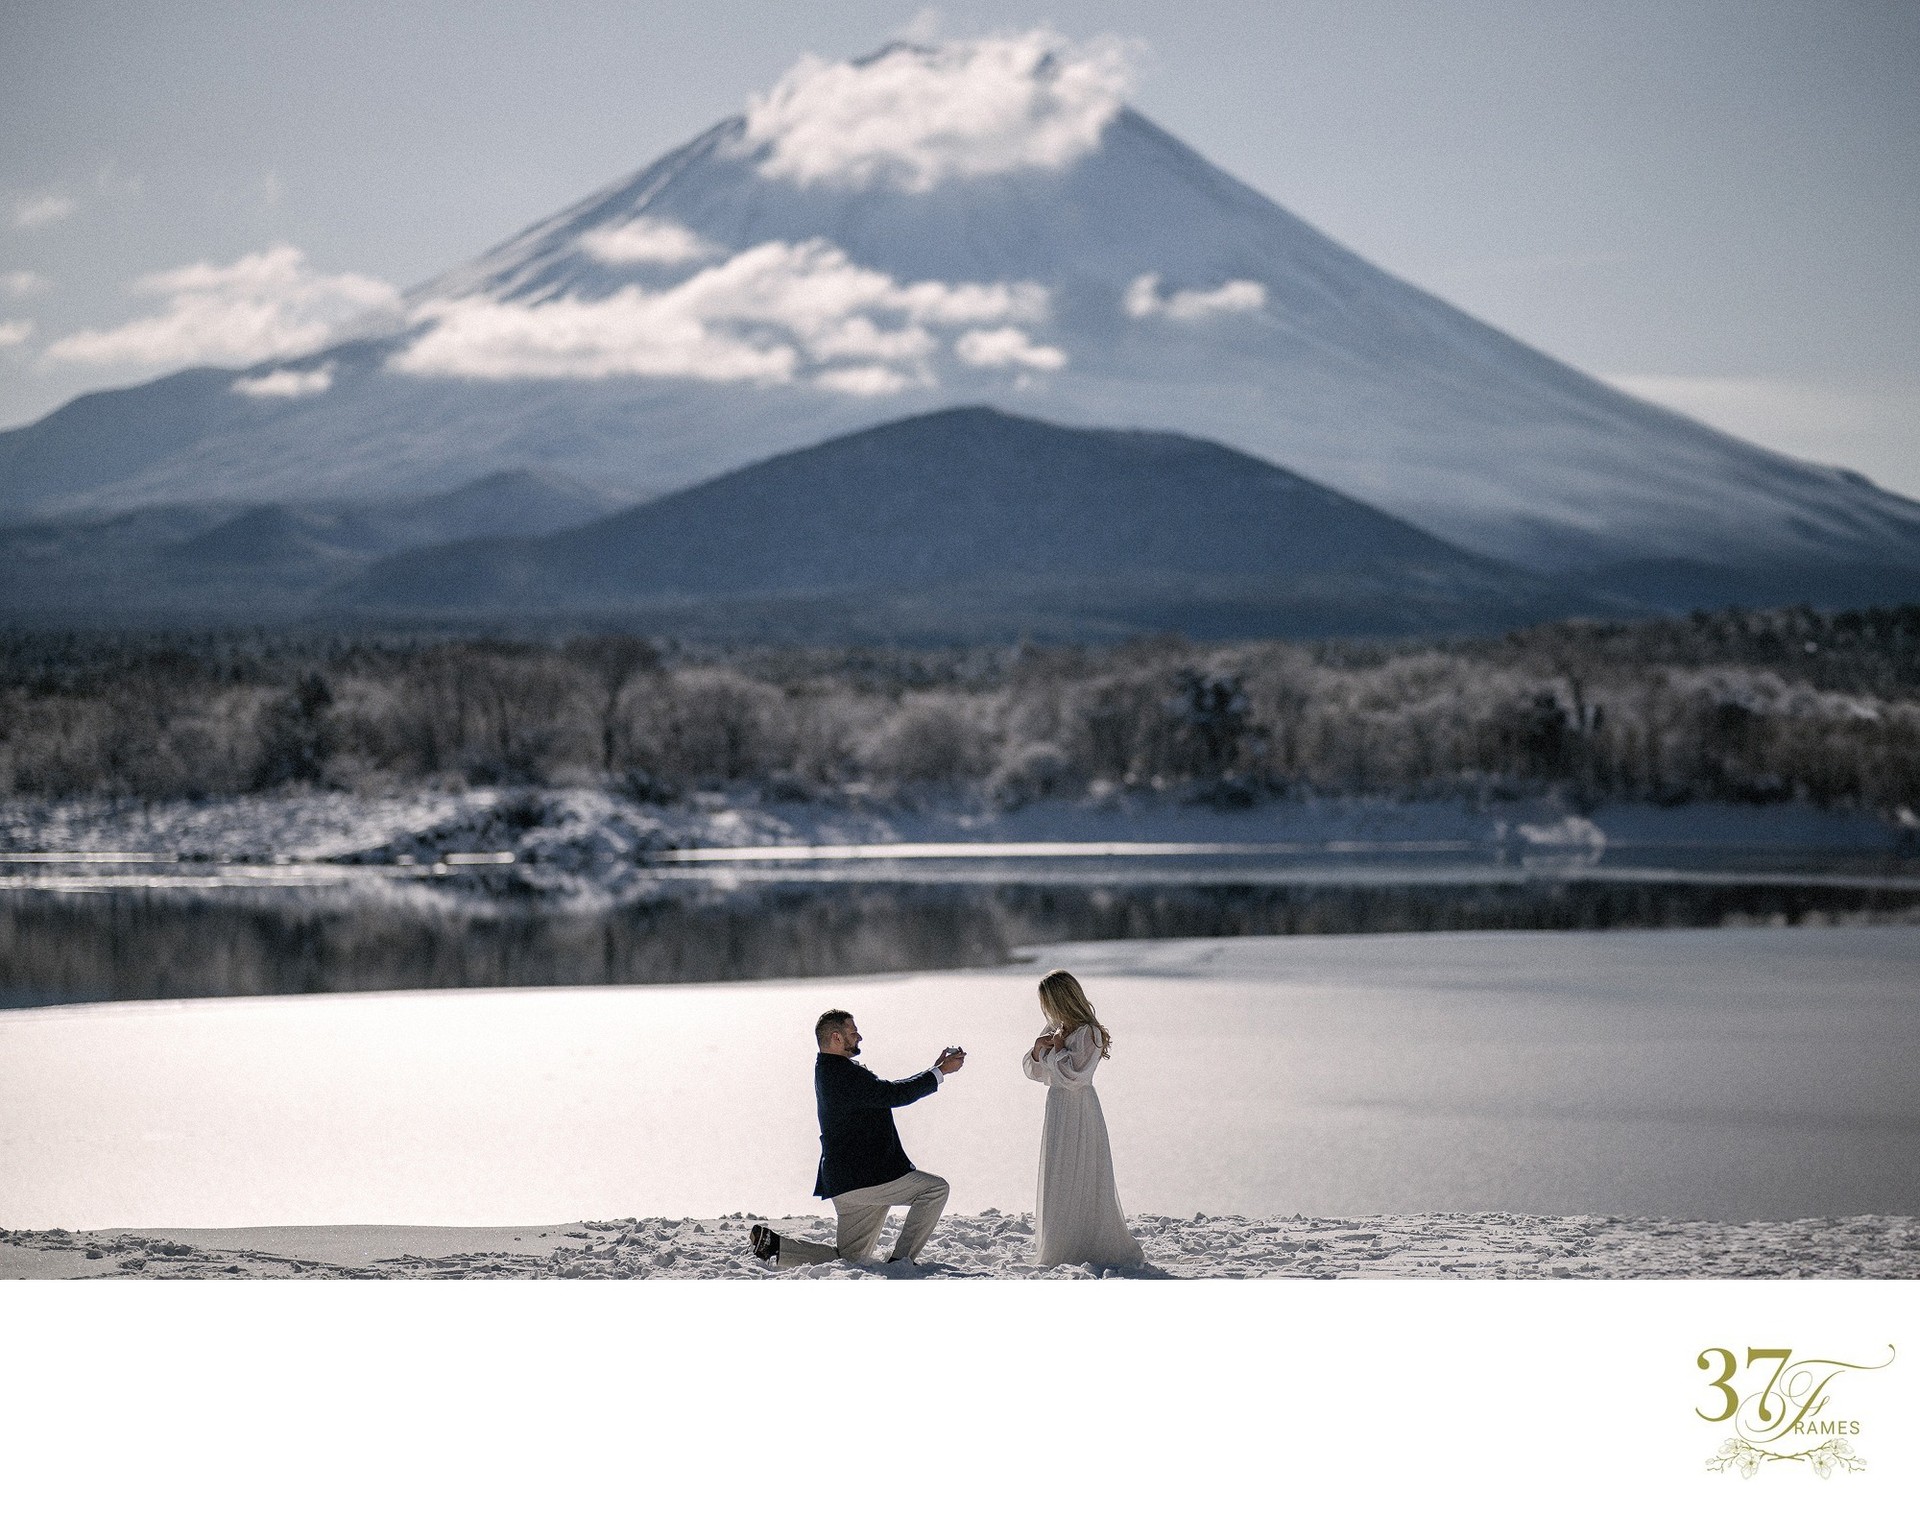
{"x":589,"y":849}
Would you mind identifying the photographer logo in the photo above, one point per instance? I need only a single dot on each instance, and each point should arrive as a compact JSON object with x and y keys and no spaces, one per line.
{"x":1777,"y":1407}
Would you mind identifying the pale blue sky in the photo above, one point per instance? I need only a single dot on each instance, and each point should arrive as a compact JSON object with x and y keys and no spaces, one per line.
{"x":1716,"y":201}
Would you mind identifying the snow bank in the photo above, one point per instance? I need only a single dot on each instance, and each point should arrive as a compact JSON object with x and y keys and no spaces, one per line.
{"x":994,"y":1246}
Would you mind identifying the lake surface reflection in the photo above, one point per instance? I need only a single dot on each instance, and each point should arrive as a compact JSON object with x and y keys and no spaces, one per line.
{"x":1729,"y":1074}
{"x":113,"y":942}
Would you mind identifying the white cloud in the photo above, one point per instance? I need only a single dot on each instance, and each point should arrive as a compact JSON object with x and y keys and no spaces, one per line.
{"x":777,"y":313}
{"x":286,"y":383}
{"x":1006,"y":347}
{"x":647,"y":239}
{"x":862,"y":337}
{"x":263,"y":305}
{"x":915,"y":115}
{"x":23,"y":284}
{"x":1144,"y":300}
{"x":869,"y":379}
{"x":629,"y":332}
{"x":43,"y":210}
{"x":13,"y":333}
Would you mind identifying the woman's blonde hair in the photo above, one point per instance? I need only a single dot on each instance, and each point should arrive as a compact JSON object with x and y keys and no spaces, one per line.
{"x":1066,"y":1005}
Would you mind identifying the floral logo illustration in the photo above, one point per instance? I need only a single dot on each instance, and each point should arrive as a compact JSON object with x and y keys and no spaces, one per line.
{"x":1789,"y":1418}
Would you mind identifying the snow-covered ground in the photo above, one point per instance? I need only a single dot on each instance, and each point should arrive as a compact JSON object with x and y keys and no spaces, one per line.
{"x":996,"y":1246}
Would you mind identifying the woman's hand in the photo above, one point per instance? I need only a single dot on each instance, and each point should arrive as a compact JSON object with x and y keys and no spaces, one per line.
{"x":1043,"y":1046}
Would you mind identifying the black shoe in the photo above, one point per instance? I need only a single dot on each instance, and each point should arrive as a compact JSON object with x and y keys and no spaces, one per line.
{"x":765,"y":1241}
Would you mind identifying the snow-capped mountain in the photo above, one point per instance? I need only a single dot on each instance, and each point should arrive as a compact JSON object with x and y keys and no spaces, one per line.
{"x":980,"y":222}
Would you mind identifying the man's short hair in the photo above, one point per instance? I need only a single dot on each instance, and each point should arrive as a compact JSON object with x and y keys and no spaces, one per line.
{"x":827,"y":1022}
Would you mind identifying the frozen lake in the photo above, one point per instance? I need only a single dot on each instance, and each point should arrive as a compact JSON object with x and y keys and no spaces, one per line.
{"x":1728,"y":1074}
{"x":137,"y":932}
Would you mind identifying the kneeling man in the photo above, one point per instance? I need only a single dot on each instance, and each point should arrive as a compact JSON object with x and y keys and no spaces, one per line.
{"x":863,"y":1169}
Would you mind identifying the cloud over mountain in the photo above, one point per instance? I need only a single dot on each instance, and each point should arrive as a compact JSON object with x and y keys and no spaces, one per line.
{"x":286,"y":383}
{"x":917,"y":115}
{"x":1144,"y":301}
{"x":262,"y":305}
{"x":976,"y":222}
{"x":646,"y":239}
{"x":777,"y":313}
{"x":1006,"y":347}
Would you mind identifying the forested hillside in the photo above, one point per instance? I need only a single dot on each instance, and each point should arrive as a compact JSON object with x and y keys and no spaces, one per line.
{"x":1753,"y":706}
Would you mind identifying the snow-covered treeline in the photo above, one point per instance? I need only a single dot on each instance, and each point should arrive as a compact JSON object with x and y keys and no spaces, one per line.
{"x":1746,"y":706}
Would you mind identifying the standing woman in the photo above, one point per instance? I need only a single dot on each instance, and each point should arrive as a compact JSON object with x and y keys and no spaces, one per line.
{"x":1077,"y":1218}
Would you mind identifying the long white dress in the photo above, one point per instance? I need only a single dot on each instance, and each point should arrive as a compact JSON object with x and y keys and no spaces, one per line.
{"x":1077,"y":1218}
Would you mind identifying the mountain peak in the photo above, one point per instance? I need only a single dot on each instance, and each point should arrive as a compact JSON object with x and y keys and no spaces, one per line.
{"x":914,"y":115}
{"x":979,"y":222}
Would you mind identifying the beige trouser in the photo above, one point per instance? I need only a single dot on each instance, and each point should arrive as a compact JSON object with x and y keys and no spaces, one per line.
{"x":863,"y":1212}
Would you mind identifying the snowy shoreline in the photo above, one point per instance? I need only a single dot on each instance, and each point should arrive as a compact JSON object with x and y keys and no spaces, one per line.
{"x":587,"y":849}
{"x":1484,"y":1245}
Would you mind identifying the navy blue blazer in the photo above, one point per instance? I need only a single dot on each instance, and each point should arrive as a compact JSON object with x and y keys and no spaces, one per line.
{"x":858,"y":1143}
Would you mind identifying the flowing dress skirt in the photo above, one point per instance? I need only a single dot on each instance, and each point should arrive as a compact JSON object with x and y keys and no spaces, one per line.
{"x":1078,"y":1217}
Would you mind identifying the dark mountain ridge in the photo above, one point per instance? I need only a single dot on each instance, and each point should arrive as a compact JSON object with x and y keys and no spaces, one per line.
{"x":970,"y":523}
{"x":213,"y":562}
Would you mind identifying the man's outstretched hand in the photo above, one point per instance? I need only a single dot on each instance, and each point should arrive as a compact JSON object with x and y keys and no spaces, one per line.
{"x":950,"y":1060}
